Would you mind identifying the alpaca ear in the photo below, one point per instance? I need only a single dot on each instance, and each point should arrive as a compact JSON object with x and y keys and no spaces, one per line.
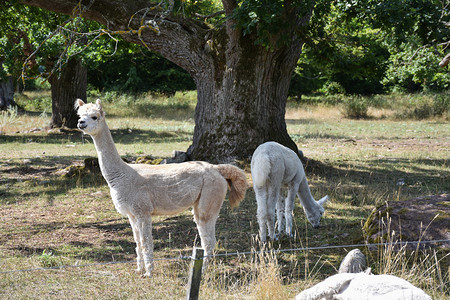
{"x":323,"y":200}
{"x":78,"y":103}
{"x":99,"y":105}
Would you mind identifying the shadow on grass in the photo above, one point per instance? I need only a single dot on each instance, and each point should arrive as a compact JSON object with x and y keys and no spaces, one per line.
{"x":414,"y":175}
{"x":121,"y":136}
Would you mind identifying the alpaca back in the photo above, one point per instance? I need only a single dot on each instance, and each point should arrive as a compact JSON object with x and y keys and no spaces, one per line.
{"x":237,"y":182}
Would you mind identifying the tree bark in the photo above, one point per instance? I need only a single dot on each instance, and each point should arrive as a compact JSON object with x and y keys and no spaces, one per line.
{"x":7,"y":93}
{"x":242,"y":87}
{"x":67,"y":86}
{"x":242,"y":104}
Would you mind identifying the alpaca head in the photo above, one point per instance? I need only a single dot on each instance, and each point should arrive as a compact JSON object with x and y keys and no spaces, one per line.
{"x":315,"y":215}
{"x":91,"y":116}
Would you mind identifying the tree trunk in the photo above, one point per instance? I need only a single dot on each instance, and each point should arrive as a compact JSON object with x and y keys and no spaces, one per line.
{"x":7,"y":93}
{"x":67,"y":86}
{"x":242,"y":104}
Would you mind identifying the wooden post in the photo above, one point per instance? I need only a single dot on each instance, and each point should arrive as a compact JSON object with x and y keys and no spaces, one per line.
{"x":195,"y":274}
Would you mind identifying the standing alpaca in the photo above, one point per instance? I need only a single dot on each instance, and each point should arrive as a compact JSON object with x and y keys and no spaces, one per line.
{"x":274,"y":165}
{"x":140,"y":191}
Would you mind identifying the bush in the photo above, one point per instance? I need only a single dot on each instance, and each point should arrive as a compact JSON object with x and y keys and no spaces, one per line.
{"x":427,"y":107}
{"x":356,"y":107}
{"x":35,"y":101}
{"x":333,"y":88}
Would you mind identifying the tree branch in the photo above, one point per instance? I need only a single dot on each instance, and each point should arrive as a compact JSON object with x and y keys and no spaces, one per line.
{"x":175,"y":38}
{"x":445,"y":61}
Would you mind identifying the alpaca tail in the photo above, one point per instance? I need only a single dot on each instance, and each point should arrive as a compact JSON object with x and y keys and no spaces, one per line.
{"x":261,"y":167}
{"x":237,"y":182}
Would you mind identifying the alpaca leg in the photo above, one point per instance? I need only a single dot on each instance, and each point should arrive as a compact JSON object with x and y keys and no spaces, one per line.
{"x":207,"y":234}
{"x":289,"y":207}
{"x":144,"y":224}
{"x":274,"y":194}
{"x":136,"y":235}
{"x":206,"y":211}
{"x":261,"y":200}
{"x":280,"y":213}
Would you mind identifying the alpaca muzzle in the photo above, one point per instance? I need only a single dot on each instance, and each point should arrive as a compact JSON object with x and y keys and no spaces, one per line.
{"x":81,"y":125}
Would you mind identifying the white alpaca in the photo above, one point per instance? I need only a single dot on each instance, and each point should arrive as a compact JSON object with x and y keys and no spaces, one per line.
{"x":274,"y":165}
{"x":140,"y":191}
{"x":363,"y":286}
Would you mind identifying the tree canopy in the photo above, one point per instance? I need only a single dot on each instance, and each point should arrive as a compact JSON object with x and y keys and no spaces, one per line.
{"x":366,"y":47}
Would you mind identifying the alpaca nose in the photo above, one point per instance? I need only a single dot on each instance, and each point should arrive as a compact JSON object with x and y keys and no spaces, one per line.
{"x":81,"y":124}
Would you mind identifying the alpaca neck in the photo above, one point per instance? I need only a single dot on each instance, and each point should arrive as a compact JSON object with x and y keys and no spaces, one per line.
{"x":308,"y":201}
{"x":111,"y":164}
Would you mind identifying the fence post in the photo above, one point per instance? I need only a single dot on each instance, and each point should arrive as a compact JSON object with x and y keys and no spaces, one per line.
{"x":195,"y":274}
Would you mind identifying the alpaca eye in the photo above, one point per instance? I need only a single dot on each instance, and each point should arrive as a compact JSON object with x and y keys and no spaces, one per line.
{"x":94,"y":118}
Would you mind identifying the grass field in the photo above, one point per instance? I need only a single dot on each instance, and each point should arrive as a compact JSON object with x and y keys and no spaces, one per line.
{"x":47,"y":220}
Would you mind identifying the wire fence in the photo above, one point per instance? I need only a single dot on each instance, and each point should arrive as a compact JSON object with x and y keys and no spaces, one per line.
{"x":188,"y":257}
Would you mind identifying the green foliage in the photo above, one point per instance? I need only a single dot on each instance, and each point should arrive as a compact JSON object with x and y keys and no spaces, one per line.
{"x":403,"y":19}
{"x":370,"y":46}
{"x":352,"y":46}
{"x":272,"y":22}
{"x":111,"y":66}
{"x":307,"y":77}
{"x":333,"y":88}
{"x":414,"y":69}
{"x":343,"y":50}
{"x":134,"y":69}
{"x":22,"y":30}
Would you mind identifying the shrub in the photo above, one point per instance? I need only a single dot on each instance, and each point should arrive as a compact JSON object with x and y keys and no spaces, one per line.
{"x":333,"y":88}
{"x":355,"y":107}
{"x":427,"y":107}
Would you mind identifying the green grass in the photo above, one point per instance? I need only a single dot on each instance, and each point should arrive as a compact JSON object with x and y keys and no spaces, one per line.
{"x":48,"y":221}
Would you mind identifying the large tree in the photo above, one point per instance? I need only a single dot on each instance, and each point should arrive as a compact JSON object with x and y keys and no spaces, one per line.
{"x":242,"y":65}
{"x":70,"y":83}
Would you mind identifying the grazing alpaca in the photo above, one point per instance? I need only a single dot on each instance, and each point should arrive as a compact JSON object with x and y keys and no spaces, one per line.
{"x":140,"y":191}
{"x":274,"y":165}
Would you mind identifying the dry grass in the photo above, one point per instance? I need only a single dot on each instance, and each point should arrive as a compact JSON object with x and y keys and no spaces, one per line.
{"x":421,"y":267}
